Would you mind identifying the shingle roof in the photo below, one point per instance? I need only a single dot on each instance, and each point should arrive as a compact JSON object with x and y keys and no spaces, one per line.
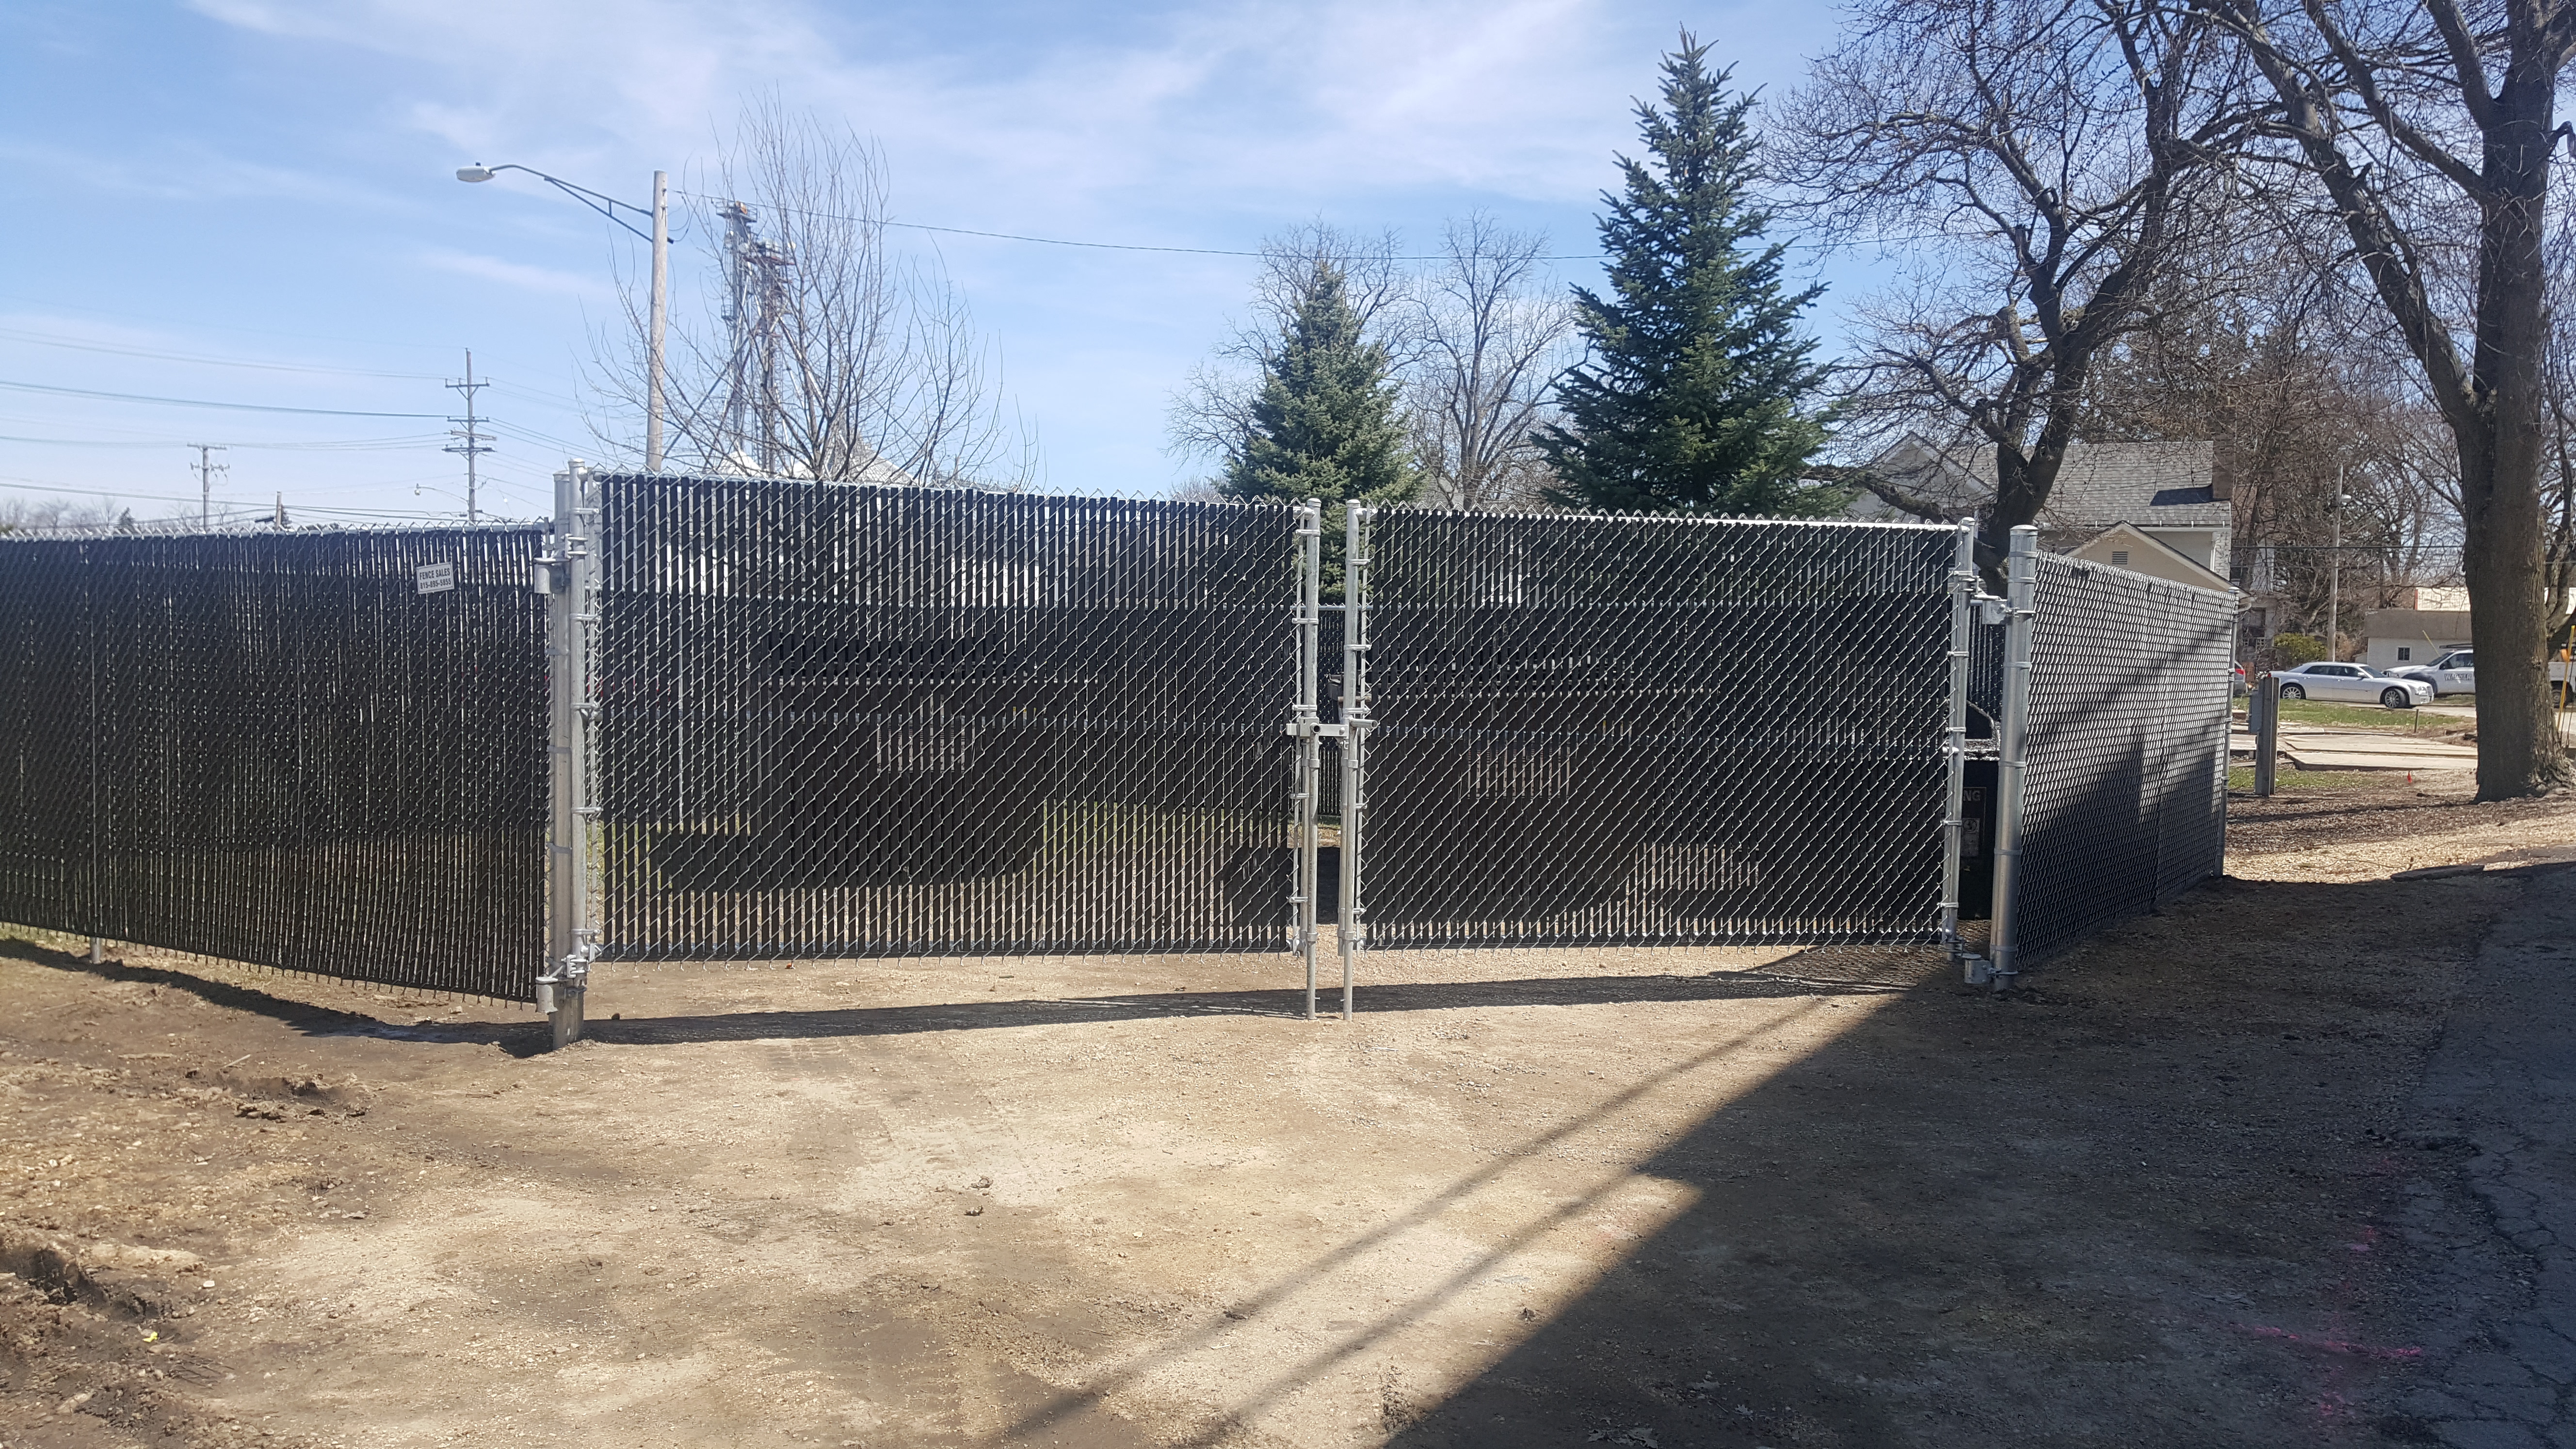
{"x":2153,"y":485}
{"x":2150,"y":484}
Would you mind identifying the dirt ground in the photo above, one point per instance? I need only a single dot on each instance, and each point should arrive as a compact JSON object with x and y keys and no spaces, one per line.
{"x":1560,"y":1197}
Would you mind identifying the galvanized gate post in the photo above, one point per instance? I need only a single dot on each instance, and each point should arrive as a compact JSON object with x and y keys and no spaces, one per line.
{"x":1307,"y":727}
{"x":1351,"y":926}
{"x":1954,"y":735}
{"x":2022,"y":585}
{"x":2264,"y":704}
{"x":565,"y":579}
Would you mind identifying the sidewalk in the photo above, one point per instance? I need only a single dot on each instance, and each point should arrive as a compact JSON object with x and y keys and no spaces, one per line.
{"x":2499,"y":1100}
{"x":2321,"y":749}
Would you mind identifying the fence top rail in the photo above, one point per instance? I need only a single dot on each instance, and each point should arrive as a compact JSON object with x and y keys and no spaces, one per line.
{"x":109,"y":533}
{"x":1756,"y":520}
{"x":2072,"y":564}
{"x":939,"y":490}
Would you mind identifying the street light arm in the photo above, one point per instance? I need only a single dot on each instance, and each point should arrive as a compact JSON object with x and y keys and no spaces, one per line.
{"x":600,"y":202}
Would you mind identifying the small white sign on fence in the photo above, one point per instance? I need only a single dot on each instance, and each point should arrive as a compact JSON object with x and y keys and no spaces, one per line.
{"x":436,"y":578}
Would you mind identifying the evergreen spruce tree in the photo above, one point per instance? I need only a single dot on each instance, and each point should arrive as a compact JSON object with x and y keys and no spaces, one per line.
{"x":1325,"y":423}
{"x":1693,"y":397}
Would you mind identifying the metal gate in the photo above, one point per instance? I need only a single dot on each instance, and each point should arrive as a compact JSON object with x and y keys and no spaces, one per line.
{"x":856,"y":721}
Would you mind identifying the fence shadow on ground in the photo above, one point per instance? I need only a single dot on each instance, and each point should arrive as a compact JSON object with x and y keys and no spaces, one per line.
{"x":1819,"y":971}
{"x":1782,"y":980}
{"x":2081,"y":1213}
{"x":519,"y":1039}
{"x":2072,"y":1216}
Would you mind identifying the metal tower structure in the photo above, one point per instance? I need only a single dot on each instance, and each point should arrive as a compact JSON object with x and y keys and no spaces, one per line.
{"x":470,"y":440}
{"x":206,"y":468}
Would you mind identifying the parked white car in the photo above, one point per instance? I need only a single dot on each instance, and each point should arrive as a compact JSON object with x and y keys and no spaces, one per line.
{"x":2353,"y":683}
{"x":2453,"y":673}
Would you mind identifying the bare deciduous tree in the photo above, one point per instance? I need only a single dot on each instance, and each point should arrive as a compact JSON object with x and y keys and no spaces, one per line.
{"x":2057,"y":151}
{"x":2377,"y":103}
{"x":1476,"y":339}
{"x":825,"y":354}
{"x":1493,"y":333}
{"x":2296,"y":382}
{"x":1211,"y":416}
{"x":38,"y":515}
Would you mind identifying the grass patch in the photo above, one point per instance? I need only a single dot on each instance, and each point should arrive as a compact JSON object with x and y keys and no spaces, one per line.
{"x":2363,"y":716}
{"x":2240,"y":780}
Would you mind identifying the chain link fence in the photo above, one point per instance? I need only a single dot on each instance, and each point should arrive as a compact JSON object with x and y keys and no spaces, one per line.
{"x":881,"y":721}
{"x":799,"y":721}
{"x":1656,"y":730}
{"x":2124,"y":800}
{"x":317,"y":752}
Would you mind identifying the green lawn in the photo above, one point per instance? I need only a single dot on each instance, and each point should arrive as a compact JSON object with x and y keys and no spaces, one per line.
{"x":2364,"y":716}
{"x":2240,"y":780}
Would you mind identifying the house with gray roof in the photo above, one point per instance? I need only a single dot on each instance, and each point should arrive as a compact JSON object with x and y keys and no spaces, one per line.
{"x":2158,"y":508}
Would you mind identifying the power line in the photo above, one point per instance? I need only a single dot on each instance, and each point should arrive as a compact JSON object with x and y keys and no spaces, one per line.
{"x":34,"y":485}
{"x":164,"y":320}
{"x":42,"y":340}
{"x":186,"y":402}
{"x":348,"y":445}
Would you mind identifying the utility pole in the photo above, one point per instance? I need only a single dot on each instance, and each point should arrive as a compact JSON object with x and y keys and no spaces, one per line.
{"x":2334,"y":576}
{"x":754,"y":302}
{"x":737,"y":316}
{"x":661,"y":316}
{"x":207,"y":468}
{"x":469,"y":442}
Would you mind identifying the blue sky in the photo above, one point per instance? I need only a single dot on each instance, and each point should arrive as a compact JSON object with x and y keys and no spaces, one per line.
{"x":253,"y":201}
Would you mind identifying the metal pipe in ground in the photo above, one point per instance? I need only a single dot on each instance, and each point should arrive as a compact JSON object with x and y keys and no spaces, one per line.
{"x":2263,"y":711}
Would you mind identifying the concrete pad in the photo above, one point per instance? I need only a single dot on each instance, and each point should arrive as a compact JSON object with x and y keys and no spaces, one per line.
{"x":2360,"y":751}
{"x":2356,"y":760}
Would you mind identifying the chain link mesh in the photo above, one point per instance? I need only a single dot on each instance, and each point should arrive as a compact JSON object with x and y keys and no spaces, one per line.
{"x":275,"y":749}
{"x":868,"y":721}
{"x":2125,"y":795}
{"x":1654,"y":729}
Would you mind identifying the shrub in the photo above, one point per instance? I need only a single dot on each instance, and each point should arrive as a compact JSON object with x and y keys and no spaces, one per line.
{"x":2298,"y":649}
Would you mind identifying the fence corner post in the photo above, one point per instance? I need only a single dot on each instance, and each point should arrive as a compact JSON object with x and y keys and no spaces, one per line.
{"x":564,"y":982}
{"x":2021,"y":590}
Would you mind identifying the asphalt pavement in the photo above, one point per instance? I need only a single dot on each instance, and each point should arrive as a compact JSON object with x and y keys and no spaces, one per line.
{"x":2498,"y":1109}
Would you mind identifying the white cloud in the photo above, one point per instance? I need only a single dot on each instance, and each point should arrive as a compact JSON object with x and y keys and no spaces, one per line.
{"x":517,"y":274}
{"x":1262,"y":105}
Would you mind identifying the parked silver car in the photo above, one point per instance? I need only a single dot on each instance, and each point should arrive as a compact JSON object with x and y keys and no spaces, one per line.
{"x":2355,"y":683}
{"x":2453,"y":673}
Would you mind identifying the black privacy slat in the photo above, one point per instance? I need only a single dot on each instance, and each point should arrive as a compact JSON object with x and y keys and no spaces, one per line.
{"x":1654,"y":730}
{"x":2125,"y":796}
{"x":863,"y":721}
{"x":274,"y":749}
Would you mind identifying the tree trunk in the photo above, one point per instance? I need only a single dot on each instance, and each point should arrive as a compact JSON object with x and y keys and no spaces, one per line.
{"x":2501,"y":447}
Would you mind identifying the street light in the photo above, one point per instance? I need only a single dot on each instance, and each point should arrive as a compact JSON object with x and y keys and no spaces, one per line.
{"x":660,"y":237}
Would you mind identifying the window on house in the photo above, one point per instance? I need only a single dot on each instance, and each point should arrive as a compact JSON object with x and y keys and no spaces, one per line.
{"x":2119,"y":558}
{"x":2404,"y":653}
